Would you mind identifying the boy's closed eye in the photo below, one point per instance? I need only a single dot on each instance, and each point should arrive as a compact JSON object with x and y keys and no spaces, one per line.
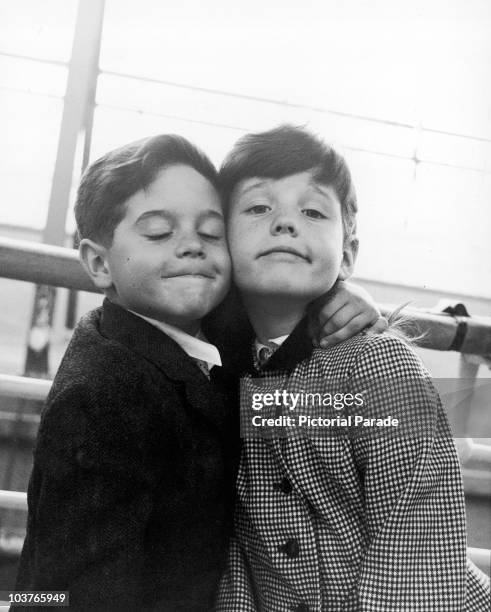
{"x":157,"y":231}
{"x":212,"y":229}
{"x":154,"y":226}
{"x":162,"y":236}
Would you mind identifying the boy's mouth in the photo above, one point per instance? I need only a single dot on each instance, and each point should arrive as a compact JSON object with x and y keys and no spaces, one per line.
{"x":189,"y":274}
{"x":285,"y":249}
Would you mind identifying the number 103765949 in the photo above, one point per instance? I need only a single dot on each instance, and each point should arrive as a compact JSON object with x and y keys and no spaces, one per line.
{"x":35,"y":598}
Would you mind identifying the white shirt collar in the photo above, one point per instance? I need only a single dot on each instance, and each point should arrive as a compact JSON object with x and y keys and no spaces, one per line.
{"x":279,"y":340}
{"x":196,"y":347}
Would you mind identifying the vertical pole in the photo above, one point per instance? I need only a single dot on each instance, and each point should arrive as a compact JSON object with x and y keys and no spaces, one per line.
{"x":468,"y":368}
{"x":71,"y":311}
{"x":81,"y":84}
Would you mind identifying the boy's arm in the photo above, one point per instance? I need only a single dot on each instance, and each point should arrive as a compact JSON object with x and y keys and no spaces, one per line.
{"x":335,"y":316}
{"x":89,"y":501}
{"x":414,"y":501}
{"x":342,"y":313}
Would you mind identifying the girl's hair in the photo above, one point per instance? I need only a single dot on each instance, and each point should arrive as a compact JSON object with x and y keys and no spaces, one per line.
{"x":403,"y":326}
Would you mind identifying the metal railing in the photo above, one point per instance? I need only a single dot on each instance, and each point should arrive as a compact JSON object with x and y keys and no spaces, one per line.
{"x":37,"y":389}
{"x":24,"y":387}
{"x":14,"y":500}
{"x":43,"y":265}
{"x":60,"y":267}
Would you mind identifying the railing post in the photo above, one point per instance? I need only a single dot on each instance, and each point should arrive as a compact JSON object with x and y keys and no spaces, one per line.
{"x":468,"y":368}
{"x":78,"y":105}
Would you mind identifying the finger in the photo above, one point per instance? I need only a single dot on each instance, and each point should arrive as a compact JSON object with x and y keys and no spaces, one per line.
{"x":346,"y":315}
{"x":329,"y":309}
{"x":348,"y":306}
{"x":380,"y":325}
{"x":314,"y":332}
{"x":349,"y":330}
{"x":338,"y":320}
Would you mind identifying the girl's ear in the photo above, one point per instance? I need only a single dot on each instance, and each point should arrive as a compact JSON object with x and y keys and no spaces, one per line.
{"x":94,"y":259}
{"x":350,"y":251}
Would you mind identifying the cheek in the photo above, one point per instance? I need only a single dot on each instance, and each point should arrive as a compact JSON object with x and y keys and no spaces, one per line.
{"x":222,"y":255}
{"x":242,"y":261}
{"x":225,"y":266}
{"x":139,"y":274}
{"x":244,"y":244}
{"x":236,"y":247}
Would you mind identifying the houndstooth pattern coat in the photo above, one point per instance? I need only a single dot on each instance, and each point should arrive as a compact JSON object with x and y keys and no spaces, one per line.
{"x":352,"y":522}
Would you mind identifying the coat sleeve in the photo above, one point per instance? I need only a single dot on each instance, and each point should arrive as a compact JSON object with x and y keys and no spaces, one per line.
{"x":414,"y":500}
{"x":89,"y":497}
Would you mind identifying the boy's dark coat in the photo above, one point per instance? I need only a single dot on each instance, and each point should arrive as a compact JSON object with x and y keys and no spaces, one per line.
{"x":130,"y":495}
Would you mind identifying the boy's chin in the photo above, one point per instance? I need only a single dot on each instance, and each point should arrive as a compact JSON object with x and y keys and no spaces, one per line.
{"x":196,"y":309}
{"x":286,"y":290}
{"x":188,"y":320}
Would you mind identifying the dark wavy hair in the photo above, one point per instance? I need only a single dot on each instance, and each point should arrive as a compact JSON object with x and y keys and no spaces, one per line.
{"x":116,"y":176}
{"x":287,"y":150}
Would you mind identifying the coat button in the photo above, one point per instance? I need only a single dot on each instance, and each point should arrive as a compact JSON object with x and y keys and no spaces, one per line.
{"x":291,"y":549}
{"x":285,"y":486}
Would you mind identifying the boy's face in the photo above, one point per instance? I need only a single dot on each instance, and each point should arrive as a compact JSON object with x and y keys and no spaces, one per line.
{"x":169,"y":258}
{"x":286,"y":237}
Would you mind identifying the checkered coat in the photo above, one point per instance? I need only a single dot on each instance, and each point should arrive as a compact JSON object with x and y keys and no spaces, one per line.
{"x":353,"y":522}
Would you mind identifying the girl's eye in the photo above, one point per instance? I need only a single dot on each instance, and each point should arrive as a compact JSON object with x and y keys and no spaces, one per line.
{"x":209,"y":236}
{"x":211,"y":229}
{"x":156,"y":237}
{"x":313,"y":213}
{"x":258,"y":209}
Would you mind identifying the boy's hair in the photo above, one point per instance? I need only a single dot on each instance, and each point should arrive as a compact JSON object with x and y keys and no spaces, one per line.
{"x":118,"y":175}
{"x":288,"y":150}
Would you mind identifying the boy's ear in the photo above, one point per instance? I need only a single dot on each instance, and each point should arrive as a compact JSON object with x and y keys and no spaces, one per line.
{"x":350,"y":251}
{"x":94,"y":259}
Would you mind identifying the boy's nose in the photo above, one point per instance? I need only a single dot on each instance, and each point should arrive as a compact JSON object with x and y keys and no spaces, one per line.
{"x":190,"y":246}
{"x":284,"y":225}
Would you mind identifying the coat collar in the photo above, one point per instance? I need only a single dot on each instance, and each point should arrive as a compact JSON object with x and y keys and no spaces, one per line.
{"x":155,"y":346}
{"x":196,"y":347}
{"x":297,"y":347}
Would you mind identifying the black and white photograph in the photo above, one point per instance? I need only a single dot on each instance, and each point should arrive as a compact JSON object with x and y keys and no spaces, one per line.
{"x":245,"y":305}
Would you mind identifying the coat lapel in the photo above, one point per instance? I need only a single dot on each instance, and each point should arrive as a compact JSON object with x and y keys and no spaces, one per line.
{"x":164,"y":353}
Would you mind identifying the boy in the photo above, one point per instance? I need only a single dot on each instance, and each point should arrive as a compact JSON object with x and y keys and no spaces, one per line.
{"x":128,"y":500}
{"x":337,"y":520}
{"x":130,"y":496}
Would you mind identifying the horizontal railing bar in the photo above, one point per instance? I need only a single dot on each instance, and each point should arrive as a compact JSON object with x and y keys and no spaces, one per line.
{"x":17,"y":500}
{"x":32,"y":58}
{"x":60,"y":267}
{"x":437,"y":330}
{"x":24,"y":387}
{"x":31,"y":418}
{"x":249,"y":98}
{"x":480,"y":557}
{"x":43,"y":264}
{"x":470,"y":452}
{"x":476,"y":482}
{"x":13,"y":500}
{"x":139,"y":110}
{"x":285,"y":103}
